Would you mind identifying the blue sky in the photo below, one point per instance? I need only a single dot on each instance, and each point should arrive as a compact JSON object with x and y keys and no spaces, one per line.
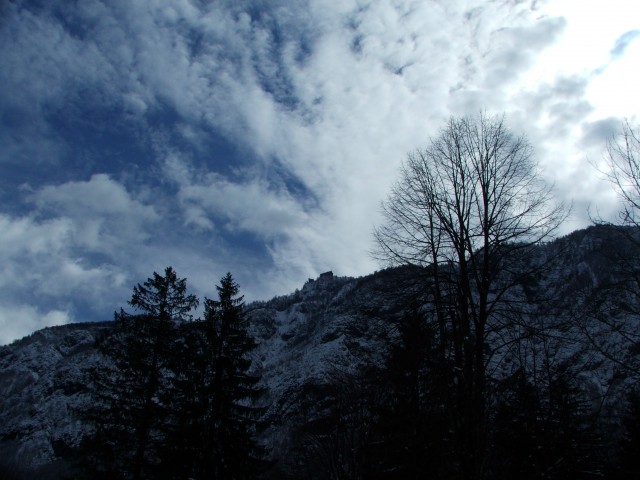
{"x":260,"y":137}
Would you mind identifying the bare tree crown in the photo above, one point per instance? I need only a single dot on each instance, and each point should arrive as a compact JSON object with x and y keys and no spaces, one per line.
{"x":473,"y":187}
{"x":623,"y":162}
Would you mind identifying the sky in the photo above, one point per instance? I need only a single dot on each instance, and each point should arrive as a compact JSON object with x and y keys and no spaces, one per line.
{"x":260,"y":137}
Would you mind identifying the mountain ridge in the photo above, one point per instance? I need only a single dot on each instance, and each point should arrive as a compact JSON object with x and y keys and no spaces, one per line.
{"x":333,"y":327}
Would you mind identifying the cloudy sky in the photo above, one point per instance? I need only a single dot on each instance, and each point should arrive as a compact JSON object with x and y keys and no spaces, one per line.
{"x":259,"y":137}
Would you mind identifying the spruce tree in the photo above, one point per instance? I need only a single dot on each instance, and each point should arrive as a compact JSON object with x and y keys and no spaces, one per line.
{"x":128,"y":409}
{"x":216,"y":388}
{"x":545,"y":431}
{"x":412,"y":438}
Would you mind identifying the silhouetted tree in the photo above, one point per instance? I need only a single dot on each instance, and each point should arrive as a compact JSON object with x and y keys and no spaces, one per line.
{"x":129,"y":389}
{"x":472,"y":207}
{"x":611,"y":306}
{"x":410,"y":434}
{"x":216,"y":415}
{"x":545,"y":430}
{"x":623,"y":162}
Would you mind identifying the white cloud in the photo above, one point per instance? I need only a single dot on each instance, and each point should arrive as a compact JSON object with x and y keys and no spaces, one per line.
{"x":42,"y":258}
{"x":104,"y":214}
{"x":376,"y":83}
{"x":83,"y":250}
{"x":321,"y":100}
{"x":251,"y":206}
{"x":17,"y":321}
{"x":24,"y":236}
{"x":100,"y":195}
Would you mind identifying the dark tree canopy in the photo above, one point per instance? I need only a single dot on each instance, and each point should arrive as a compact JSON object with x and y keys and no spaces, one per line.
{"x":174,"y":398}
{"x":130,"y":388}
{"x":233,"y":385}
{"x":164,"y":297}
{"x":213,"y":394}
{"x":474,"y":188}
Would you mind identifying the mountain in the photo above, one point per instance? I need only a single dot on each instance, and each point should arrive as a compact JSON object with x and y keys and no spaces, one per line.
{"x":314,"y":345}
{"x":42,"y":379}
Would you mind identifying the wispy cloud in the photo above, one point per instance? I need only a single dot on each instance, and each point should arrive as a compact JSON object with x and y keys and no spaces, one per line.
{"x":255,"y":138}
{"x":76,"y":249}
{"x":623,"y":42}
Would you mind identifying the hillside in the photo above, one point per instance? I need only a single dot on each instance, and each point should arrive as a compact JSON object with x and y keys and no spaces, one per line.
{"x":316,"y":344}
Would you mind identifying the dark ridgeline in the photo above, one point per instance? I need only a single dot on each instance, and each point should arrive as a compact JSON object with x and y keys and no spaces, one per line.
{"x":381,"y":408}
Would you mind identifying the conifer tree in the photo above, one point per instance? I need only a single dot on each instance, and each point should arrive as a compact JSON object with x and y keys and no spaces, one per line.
{"x":412,"y":438}
{"x":545,"y":431}
{"x":216,"y":414}
{"x":129,"y":410}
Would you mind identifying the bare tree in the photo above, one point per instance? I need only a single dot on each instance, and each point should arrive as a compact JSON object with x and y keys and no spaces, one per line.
{"x":614,"y":310}
{"x":623,"y":162}
{"x":470,"y":207}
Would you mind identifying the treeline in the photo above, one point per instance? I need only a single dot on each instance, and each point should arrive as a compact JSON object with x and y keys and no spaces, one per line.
{"x":173,"y":397}
{"x":400,"y":421}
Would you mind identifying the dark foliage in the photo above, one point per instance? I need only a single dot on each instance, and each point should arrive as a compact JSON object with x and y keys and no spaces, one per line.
{"x":545,"y":431}
{"x":629,"y":464}
{"x":410,"y":430}
{"x":129,"y":412}
{"x":215,"y":419}
{"x":173,"y":397}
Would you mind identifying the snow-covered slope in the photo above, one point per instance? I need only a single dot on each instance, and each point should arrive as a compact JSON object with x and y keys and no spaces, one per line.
{"x":332,"y":326}
{"x":41,"y":381}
